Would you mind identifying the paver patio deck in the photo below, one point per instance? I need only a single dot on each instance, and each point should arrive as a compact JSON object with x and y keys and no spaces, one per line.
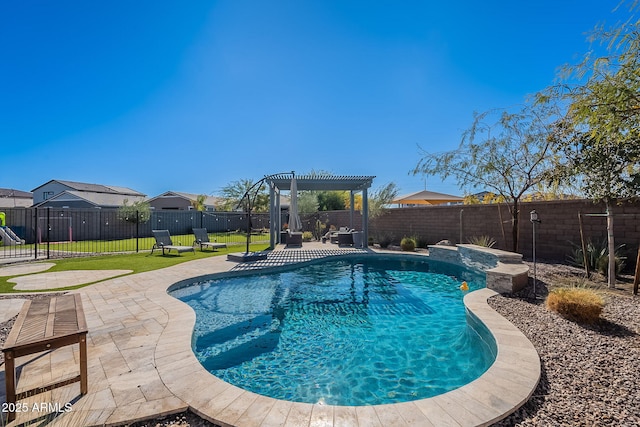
{"x":141,"y":364}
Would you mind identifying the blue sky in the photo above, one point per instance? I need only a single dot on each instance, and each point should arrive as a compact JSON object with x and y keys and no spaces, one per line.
{"x":189,"y":96}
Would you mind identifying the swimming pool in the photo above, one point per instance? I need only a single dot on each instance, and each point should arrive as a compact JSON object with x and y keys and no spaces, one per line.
{"x":349,"y":331}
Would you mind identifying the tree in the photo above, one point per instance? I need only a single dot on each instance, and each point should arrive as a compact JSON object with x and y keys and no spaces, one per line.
{"x":605,"y":98}
{"x":600,"y":133}
{"x":307,"y":202}
{"x":381,"y":198}
{"x":471,"y":199}
{"x":233,"y":194}
{"x":137,"y":213}
{"x":199,"y":203}
{"x":331,"y":201}
{"x":608,"y":169}
{"x":357,"y":200}
{"x":508,"y":154}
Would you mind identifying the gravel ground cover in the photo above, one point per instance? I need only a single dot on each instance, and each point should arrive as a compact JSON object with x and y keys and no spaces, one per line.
{"x":5,"y":327}
{"x":590,"y":373}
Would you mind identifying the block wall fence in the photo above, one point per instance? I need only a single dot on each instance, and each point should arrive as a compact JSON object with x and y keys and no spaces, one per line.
{"x":431,"y":224}
{"x":554,"y":235}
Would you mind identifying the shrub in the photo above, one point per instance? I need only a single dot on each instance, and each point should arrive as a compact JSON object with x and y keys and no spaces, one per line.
{"x":137,"y":212}
{"x":421,"y":242}
{"x":384,"y":240}
{"x":307,"y":236}
{"x":578,"y":304}
{"x":408,"y":244}
{"x":597,"y":257}
{"x":319,"y":229}
{"x":603,"y":264}
{"x":486,"y":241}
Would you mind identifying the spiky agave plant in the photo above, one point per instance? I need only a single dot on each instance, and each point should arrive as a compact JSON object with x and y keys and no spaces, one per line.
{"x":486,"y":241}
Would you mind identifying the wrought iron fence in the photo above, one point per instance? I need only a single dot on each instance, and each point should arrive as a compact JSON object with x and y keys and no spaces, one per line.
{"x":64,"y":232}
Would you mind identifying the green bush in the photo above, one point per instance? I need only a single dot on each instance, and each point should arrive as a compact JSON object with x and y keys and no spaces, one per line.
{"x":597,"y":257}
{"x":408,"y":244}
{"x":421,"y":242}
{"x":384,"y":240}
{"x":307,"y":236}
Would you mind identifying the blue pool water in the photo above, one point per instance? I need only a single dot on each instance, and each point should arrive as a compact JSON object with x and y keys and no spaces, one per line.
{"x":349,"y":331}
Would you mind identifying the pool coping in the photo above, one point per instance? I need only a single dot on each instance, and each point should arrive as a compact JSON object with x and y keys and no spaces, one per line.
{"x":504,"y":387}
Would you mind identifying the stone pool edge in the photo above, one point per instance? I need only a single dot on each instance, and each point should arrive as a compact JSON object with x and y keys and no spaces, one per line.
{"x":503,"y":388}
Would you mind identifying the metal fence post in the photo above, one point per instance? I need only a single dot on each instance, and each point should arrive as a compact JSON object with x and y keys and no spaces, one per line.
{"x":137,"y":230}
{"x":48,"y":232}
{"x":35,"y":245}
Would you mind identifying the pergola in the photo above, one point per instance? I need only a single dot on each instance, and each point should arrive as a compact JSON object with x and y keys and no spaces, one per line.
{"x":353,"y":184}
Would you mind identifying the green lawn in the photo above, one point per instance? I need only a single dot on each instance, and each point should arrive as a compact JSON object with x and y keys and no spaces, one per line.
{"x":137,"y":262}
{"x":145,"y":243}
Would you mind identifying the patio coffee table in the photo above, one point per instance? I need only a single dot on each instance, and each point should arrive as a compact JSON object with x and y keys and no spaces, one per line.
{"x":44,"y":325}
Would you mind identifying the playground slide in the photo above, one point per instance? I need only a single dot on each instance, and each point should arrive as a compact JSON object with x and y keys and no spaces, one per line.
{"x":9,"y":238}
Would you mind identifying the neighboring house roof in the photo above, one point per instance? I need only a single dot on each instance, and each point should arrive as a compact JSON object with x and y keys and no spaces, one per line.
{"x":10,"y":198}
{"x":125,"y":190}
{"x":209,"y":200}
{"x":105,"y":200}
{"x":425,"y":197}
{"x":191,"y":197}
{"x":10,"y":192}
{"x":95,"y":188}
{"x":214,"y":201}
{"x":79,"y":193}
{"x":285,"y":201}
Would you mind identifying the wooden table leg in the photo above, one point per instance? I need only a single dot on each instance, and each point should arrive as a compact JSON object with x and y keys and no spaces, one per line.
{"x":84,"y":383}
{"x":10,"y":382}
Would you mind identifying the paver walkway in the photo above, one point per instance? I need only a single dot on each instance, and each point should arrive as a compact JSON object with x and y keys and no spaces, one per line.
{"x":141,"y":366}
{"x":10,"y":308}
{"x":28,"y":268}
{"x":54,"y":280}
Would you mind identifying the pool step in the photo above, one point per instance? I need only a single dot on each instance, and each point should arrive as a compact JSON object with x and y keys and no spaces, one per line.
{"x":363,"y":309}
{"x":231,"y":332}
{"x":240,"y":342}
{"x":243,"y":352}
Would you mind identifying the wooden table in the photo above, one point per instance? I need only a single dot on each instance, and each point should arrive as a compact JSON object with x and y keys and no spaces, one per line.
{"x":45,"y":324}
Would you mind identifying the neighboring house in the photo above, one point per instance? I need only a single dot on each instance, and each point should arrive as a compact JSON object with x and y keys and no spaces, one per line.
{"x":10,"y":198}
{"x":421,"y":198}
{"x":177,"y":201}
{"x":69,"y":194}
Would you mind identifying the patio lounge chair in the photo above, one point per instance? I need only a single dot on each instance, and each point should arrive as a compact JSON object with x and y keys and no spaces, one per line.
{"x":202,"y":239}
{"x":163,"y":241}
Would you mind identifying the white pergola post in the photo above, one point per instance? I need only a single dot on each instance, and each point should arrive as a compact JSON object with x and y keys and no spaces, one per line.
{"x":273,"y":221}
{"x":352,"y":208}
{"x":365,"y":219}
